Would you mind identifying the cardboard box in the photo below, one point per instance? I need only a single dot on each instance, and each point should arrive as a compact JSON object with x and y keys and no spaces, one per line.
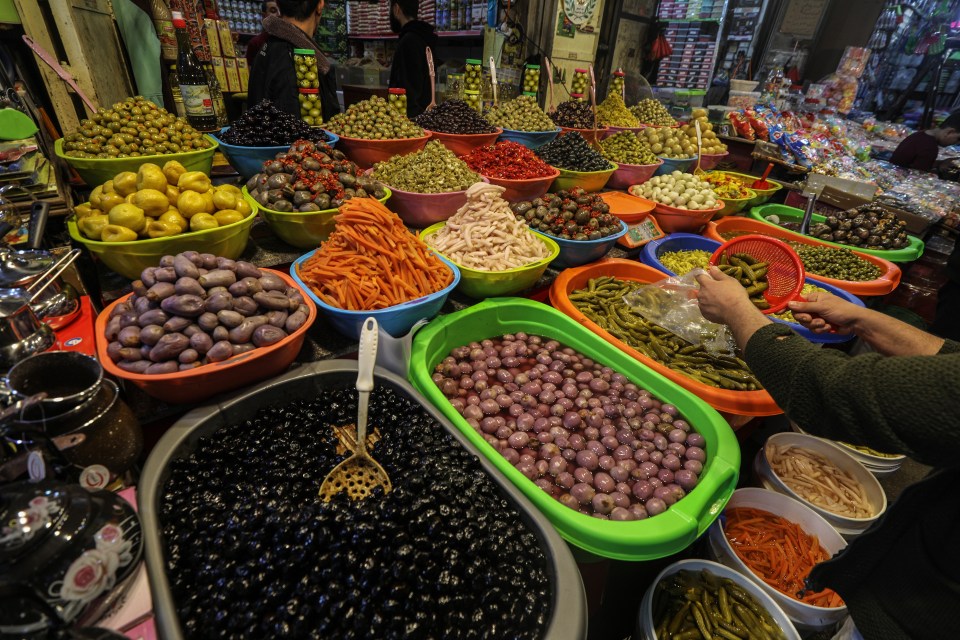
{"x":219,"y":72}
{"x":213,"y":37}
{"x":233,"y":76}
{"x":226,"y":39}
{"x":244,"y":72}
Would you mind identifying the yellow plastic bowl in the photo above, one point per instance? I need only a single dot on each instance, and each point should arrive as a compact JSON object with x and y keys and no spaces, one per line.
{"x":304,"y":230}
{"x":490,"y":284}
{"x":96,"y":171}
{"x":762,"y":194}
{"x":589,"y":181}
{"x":735,"y":205}
{"x":130,"y":258}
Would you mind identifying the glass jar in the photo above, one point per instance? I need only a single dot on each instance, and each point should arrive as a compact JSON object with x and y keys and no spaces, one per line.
{"x":581,"y":82}
{"x":616,"y":83}
{"x":473,"y":76}
{"x":531,"y":79}
{"x":397,"y":99}
{"x":308,"y":81}
{"x":472,"y":98}
{"x":455,"y":86}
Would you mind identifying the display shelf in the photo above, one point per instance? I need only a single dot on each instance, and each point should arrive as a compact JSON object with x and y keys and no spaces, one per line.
{"x":475,"y":33}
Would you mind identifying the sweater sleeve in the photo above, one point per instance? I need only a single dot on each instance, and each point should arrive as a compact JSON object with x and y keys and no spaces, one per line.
{"x":895,"y":404}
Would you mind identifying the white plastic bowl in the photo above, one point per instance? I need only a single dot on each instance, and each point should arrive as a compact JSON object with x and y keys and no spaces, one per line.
{"x":870,"y":461}
{"x":805,"y":617}
{"x":645,"y":625}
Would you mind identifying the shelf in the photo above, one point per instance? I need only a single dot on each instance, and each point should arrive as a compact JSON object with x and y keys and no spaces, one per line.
{"x":473,"y":33}
{"x":689,"y":19}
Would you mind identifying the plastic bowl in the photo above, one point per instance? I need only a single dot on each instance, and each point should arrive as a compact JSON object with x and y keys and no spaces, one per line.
{"x":611,"y":130}
{"x":646,"y":627}
{"x":709,"y":161}
{"x":763,"y":195}
{"x":248,"y":161}
{"x":804,"y":616}
{"x":589,"y":181}
{"x":396,"y":320}
{"x":735,"y":205}
{"x":674,"y":164}
{"x":367,"y":153}
{"x":203,"y":382}
{"x":628,"y":175}
{"x":529,"y":139}
{"x":421,"y":210}
{"x":590,"y":135}
{"x":463,"y":143}
{"x":839,"y":457}
{"x":301,"y":230}
{"x":877,"y":465}
{"x":96,"y":171}
{"x":130,"y":258}
{"x":672,"y":219}
{"x":488,"y":284}
{"x":521,"y":190}
{"x":574,"y":253}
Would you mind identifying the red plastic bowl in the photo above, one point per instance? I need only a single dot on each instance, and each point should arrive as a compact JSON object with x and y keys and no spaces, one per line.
{"x":630,"y":174}
{"x":521,"y":190}
{"x":420,"y":210}
{"x":709,"y":161}
{"x":367,"y":153}
{"x":463,"y":143}
{"x":590,"y":135}
{"x":672,"y":219}
{"x":201,"y":383}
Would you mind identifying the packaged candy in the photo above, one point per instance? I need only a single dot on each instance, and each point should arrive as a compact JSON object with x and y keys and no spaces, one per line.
{"x":741,"y":125}
{"x":760,"y":129}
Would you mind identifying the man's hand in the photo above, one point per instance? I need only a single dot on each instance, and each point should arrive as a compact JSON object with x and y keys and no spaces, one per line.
{"x":824,"y":312}
{"x":721,"y":297}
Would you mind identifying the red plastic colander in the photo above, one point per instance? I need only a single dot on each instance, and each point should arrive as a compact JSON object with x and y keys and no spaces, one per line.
{"x":785,"y":272}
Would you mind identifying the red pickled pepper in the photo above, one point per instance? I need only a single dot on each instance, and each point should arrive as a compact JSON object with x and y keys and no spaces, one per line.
{"x":507,"y":160}
{"x":315,"y":180}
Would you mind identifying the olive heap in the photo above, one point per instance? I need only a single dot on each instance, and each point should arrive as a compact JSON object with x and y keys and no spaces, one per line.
{"x":580,"y":431}
{"x":650,"y":111}
{"x":263,"y":125}
{"x":520,"y":114}
{"x":574,"y":114}
{"x":454,"y":116}
{"x":613,"y":112}
{"x":681,"y":142}
{"x":840,"y":264}
{"x":571,"y":215}
{"x":626,"y":147}
{"x":310,"y":177}
{"x":132,"y":128}
{"x":444,"y":554}
{"x":433,"y":169}
{"x":868,"y":225}
{"x":573,"y":153}
{"x":373,"y":119}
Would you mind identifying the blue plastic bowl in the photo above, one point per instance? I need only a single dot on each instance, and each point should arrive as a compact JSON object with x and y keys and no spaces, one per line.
{"x":650,"y":256}
{"x":674,"y":164}
{"x":248,"y":160}
{"x":396,"y":320}
{"x":574,"y":253}
{"x":529,"y":139}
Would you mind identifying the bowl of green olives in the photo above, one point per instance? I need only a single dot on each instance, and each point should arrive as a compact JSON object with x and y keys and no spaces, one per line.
{"x":589,"y":181}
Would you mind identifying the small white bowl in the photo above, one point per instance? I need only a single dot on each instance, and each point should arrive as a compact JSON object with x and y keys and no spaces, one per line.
{"x":804,"y":616}
{"x":866,"y":459}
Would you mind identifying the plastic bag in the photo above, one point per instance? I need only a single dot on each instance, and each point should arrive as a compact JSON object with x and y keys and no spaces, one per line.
{"x":672,"y":304}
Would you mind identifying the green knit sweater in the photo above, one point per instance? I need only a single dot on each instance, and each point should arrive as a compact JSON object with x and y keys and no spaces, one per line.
{"x":900,"y":579}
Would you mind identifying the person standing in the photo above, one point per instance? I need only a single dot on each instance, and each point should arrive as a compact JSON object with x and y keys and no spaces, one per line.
{"x":920,"y":150}
{"x":409,"y":69}
{"x":274,"y":74}
{"x":267,"y":8}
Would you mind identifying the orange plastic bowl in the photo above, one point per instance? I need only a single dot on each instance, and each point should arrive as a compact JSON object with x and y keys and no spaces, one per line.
{"x":631,"y":174}
{"x":420,"y":210}
{"x":367,"y":153}
{"x":521,"y":190}
{"x":672,"y":219}
{"x":201,"y":383}
{"x":463,"y":143}
{"x":709,"y":161}
{"x":590,"y":135}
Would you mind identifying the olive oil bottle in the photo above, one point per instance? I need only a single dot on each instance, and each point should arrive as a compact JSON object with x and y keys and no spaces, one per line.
{"x":197,"y":98}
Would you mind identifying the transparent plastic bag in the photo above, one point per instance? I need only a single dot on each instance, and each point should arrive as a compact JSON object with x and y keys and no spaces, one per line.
{"x":672,"y":304}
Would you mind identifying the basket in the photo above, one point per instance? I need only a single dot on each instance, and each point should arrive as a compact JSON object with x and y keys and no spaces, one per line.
{"x":785,"y":273}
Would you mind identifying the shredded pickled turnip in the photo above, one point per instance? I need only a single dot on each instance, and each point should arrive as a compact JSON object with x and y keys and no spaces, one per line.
{"x":819,"y":482}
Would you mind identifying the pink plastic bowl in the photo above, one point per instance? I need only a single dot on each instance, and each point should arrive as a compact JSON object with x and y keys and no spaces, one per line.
{"x":521,"y":190}
{"x":631,"y":174}
{"x":366,"y":153}
{"x":463,"y":143}
{"x":709,"y":161}
{"x":590,"y":135}
{"x":420,"y":210}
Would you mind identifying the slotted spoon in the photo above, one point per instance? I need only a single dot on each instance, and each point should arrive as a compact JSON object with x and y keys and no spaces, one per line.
{"x":433,"y":80}
{"x":698,"y":171}
{"x":360,"y":474}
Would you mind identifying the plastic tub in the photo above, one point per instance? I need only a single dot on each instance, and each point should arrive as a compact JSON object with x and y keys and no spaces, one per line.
{"x":911,"y":252}
{"x":672,"y":219}
{"x":645,"y":625}
{"x":627,"y":207}
{"x":521,"y":190}
{"x":589,"y":181}
{"x":298,"y":229}
{"x":763,"y":195}
{"x":463,"y":143}
{"x":366,"y":153}
{"x":569,"y":608}
{"x":738,"y":403}
{"x":96,"y":171}
{"x":628,"y":175}
{"x":421,"y":210}
{"x":574,"y":253}
{"x":590,"y":135}
{"x":674,"y":164}
{"x":130,"y":258}
{"x":529,"y":139}
{"x":735,"y":205}
{"x":195,"y":385}
{"x":611,"y":130}
{"x":709,"y":161}
{"x":656,"y":537}
{"x":889,"y":272}
{"x":488,"y":284}
{"x":248,"y":161}
{"x":839,"y":457}
{"x":396,"y":320}
{"x":804,"y":616}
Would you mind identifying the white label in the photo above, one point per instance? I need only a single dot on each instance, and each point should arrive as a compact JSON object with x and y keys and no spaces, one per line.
{"x":96,"y":476}
{"x":36,"y":467}
{"x":196,"y":99}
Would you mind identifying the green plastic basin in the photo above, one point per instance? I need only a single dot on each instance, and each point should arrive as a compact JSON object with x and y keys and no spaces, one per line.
{"x":908,"y":253}
{"x":96,"y":171}
{"x":655,"y":537}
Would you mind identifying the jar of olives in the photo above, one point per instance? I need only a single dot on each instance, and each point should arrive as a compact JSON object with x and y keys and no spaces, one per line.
{"x":310,"y":108}
{"x":578,"y":97}
{"x":581,"y":81}
{"x":308,"y":81}
{"x":616,"y":83}
{"x":531,"y":79}
{"x":455,"y":86}
{"x":473,"y":76}
{"x":472,"y":98}
{"x":398,"y":100}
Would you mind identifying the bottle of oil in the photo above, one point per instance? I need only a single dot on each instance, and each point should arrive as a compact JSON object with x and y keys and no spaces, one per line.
{"x":194,"y":87}
{"x":175,"y":90}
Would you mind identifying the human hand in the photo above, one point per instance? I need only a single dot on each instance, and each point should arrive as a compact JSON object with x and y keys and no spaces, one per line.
{"x":824,"y":312}
{"x":721,"y":297}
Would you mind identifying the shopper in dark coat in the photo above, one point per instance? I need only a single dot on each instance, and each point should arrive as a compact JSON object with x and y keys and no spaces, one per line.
{"x":920,"y":150}
{"x":409,"y":69}
{"x":900,"y":579}
{"x":274,"y":75}
{"x":267,"y":8}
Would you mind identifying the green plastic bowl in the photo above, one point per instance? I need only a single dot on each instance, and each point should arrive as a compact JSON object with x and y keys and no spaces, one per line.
{"x":300,"y":230}
{"x":908,"y":253}
{"x":589,"y":181}
{"x":490,"y":284}
{"x":659,"y":536}
{"x":130,"y":258}
{"x":96,"y":171}
{"x":763,"y":195}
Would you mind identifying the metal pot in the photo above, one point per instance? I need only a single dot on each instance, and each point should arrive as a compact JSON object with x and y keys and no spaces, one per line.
{"x":69,"y":379}
{"x":21,"y":333}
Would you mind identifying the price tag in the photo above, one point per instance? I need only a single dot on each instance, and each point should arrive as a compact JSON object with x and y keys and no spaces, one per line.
{"x":640,"y":233}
